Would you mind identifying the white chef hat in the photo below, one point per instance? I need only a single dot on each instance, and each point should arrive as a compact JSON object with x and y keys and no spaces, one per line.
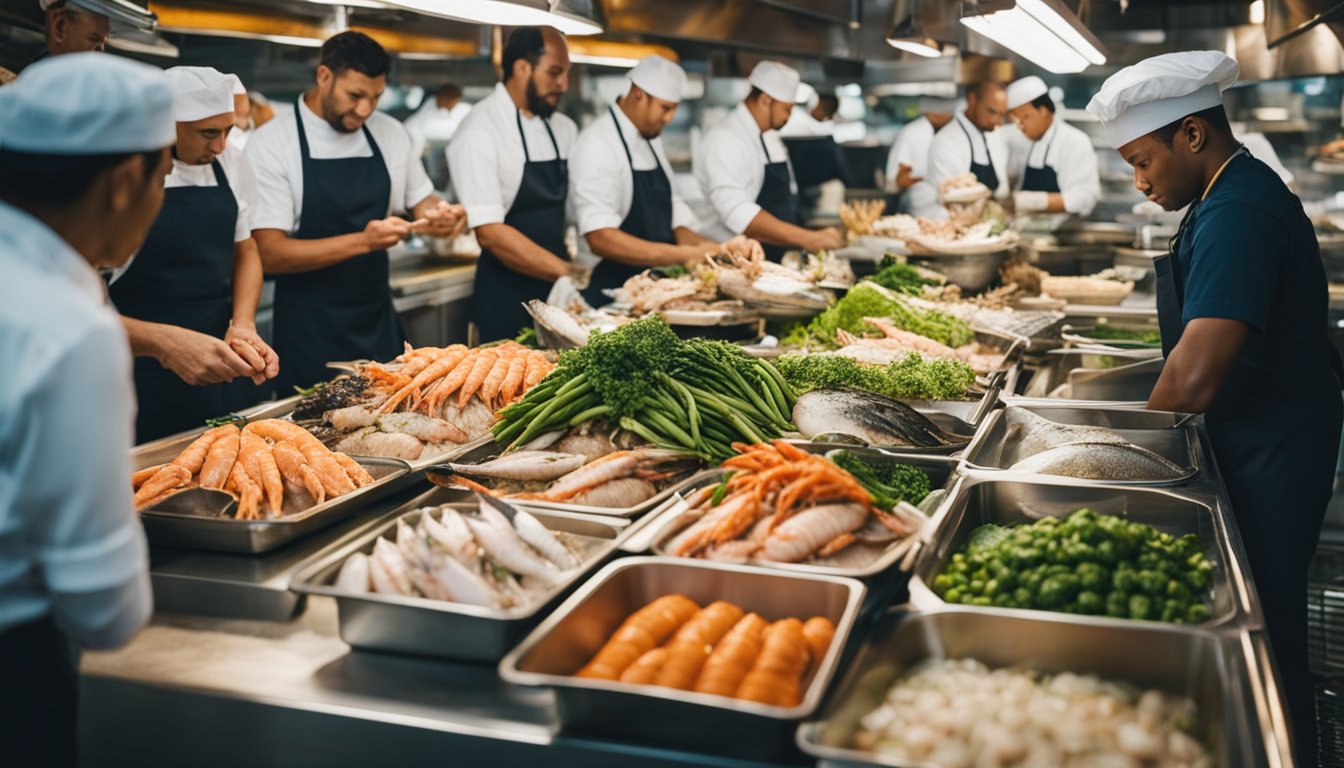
{"x":238,"y":89}
{"x":1141,"y":98}
{"x":939,"y":105}
{"x":87,"y":5}
{"x":659,"y":77}
{"x":87,"y":104}
{"x":807,"y":97}
{"x":1025,"y":91}
{"x":200,"y":92}
{"x":777,"y":80}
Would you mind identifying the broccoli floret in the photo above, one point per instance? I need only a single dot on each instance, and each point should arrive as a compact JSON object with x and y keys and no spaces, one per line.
{"x":888,"y":483}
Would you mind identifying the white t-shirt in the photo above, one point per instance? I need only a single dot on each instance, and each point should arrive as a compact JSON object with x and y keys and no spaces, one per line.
{"x":434,"y":123}
{"x":1069,"y":152}
{"x":953,"y":150}
{"x":275,"y":155}
{"x":911,"y":148}
{"x":485,"y":157}
{"x":730,"y":166}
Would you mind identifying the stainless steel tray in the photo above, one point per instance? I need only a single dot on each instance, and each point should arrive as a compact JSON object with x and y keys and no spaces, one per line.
{"x":166,"y":448}
{"x":1075,"y":375}
{"x":1179,"y":660}
{"x":873,"y":561}
{"x":425,"y":627}
{"x":1010,"y":499}
{"x":203,"y":519}
{"x":1161,"y":432}
{"x":577,"y":629}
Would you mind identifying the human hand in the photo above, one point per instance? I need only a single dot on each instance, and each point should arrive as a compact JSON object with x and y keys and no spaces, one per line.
{"x":199,"y":359}
{"x":443,"y":220}
{"x":244,"y":340}
{"x":381,"y":234}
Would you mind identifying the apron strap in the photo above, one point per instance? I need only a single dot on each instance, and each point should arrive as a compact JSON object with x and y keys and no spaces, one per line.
{"x":621,"y":135}
{"x":988,"y":157}
{"x":527,"y":157}
{"x":764,"y":148}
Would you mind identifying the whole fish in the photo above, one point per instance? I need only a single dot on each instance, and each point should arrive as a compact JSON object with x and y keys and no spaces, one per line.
{"x":1101,"y":461}
{"x":543,"y":540}
{"x":422,"y":427}
{"x":1029,"y":434}
{"x":502,"y":543}
{"x":876,"y":419}
{"x":354,"y":575}
{"x":523,"y":466}
{"x":566,"y":328}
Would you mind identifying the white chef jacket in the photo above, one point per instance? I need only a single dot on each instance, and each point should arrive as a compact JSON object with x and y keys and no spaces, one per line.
{"x":238,"y":138}
{"x":730,"y":167}
{"x":601,"y":186}
{"x":274,"y":152}
{"x":951,"y":154}
{"x":1066,"y":149}
{"x":434,"y":123}
{"x":911,"y":148}
{"x":803,"y":125}
{"x":485,"y":157}
{"x":70,"y":543}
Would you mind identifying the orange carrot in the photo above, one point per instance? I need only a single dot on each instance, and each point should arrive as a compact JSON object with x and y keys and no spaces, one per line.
{"x":776,"y":677}
{"x":645,"y":669}
{"x":818,"y":632}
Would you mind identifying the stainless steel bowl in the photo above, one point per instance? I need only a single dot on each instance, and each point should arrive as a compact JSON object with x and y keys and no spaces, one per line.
{"x":970,"y":272}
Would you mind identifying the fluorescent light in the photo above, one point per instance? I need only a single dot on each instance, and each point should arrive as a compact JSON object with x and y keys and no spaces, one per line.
{"x":504,"y":13}
{"x":1258,"y":12}
{"x":916,"y":47}
{"x":620,"y":62}
{"x":351,"y":3}
{"x":1040,"y":31}
{"x":909,"y":36}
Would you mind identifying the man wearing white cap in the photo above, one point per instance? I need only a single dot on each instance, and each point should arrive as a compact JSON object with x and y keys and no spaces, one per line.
{"x":1242,"y":307}
{"x":242,"y":115}
{"x":74,"y":26}
{"x":1053,"y":162}
{"x":908,"y":161}
{"x":83,"y":153}
{"x":970,"y":143}
{"x":189,"y":300}
{"x":743,"y":169}
{"x":628,"y":215}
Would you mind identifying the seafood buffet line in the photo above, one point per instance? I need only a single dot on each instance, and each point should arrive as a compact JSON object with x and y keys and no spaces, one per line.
{"x":901,"y":530}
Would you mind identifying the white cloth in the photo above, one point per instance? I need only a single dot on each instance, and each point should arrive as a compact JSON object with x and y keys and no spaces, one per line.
{"x":238,"y":88}
{"x":87,"y":104}
{"x":601,"y":186}
{"x":485,"y":157}
{"x":1159,"y":90}
{"x":200,"y":92}
{"x":952,"y":151}
{"x":659,"y":77}
{"x":1025,"y":91}
{"x":730,"y":168}
{"x":238,"y":138}
{"x":275,"y":155}
{"x":1066,"y":149}
{"x":434,"y":123}
{"x":67,"y":527}
{"x":779,"y":81}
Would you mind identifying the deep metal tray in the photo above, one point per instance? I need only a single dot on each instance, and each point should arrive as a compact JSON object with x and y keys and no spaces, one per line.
{"x":577,"y":629}
{"x":1018,"y":499}
{"x":1161,"y":432}
{"x":1075,"y":375}
{"x":426,"y":627}
{"x":1178,"y":660}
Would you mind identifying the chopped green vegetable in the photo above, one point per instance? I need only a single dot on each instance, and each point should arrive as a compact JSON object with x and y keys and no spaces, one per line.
{"x":528,"y":338}
{"x":1108,"y":332}
{"x":914,"y":378}
{"x":900,"y":277}
{"x":869,"y":300}
{"x":888,"y":483}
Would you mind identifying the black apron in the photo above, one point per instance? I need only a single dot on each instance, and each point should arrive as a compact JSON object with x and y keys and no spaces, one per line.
{"x":1042,"y":179}
{"x":538,"y":211}
{"x":38,"y":700}
{"x":984,"y":172}
{"x":182,"y":276}
{"x":777,"y":197}
{"x":650,"y":218}
{"x":343,"y":311}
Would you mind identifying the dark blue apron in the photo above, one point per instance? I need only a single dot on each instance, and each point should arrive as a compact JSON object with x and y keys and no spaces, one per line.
{"x":182,"y":276}
{"x":538,"y":211}
{"x":777,"y":197}
{"x":1043,"y":178}
{"x":39,"y":699}
{"x":650,"y":218}
{"x":984,"y":172}
{"x":343,"y":311}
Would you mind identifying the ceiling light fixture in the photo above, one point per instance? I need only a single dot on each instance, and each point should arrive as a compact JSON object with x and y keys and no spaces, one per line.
{"x":1044,"y":32}
{"x":909,"y":36}
{"x":507,"y":13}
{"x":619,"y":62}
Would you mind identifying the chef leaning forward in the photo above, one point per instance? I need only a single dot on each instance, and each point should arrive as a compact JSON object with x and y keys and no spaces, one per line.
{"x":1053,"y":162}
{"x":969,"y":143}
{"x":1242,"y":307}
{"x":83,"y":153}
{"x":908,"y":161}
{"x":189,"y":299}
{"x":744,"y":173}
{"x":508,"y":162}
{"x":330,"y":176}
{"x":628,"y":215}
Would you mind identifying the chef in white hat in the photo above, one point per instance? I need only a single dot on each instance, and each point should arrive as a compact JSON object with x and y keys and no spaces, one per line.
{"x":743,"y":169}
{"x":74,"y":26}
{"x":970,"y":143}
{"x":1242,"y":308}
{"x":1053,"y":162}
{"x":242,"y":115}
{"x":83,"y":152}
{"x":189,"y":300}
{"x":908,"y":161}
{"x":629,"y":216}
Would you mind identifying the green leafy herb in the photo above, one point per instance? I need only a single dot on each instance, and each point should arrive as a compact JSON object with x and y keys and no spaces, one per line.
{"x":914,"y":378}
{"x":869,"y":300}
{"x":889,"y":483}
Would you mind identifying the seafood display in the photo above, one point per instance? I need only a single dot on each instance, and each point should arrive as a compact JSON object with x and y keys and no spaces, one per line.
{"x":872,"y":418}
{"x":1036,"y":444}
{"x":484,"y":558}
{"x":977,"y":231}
{"x":423,"y":404}
{"x":781,"y":504}
{"x":719,"y":650}
{"x":566,"y":328}
{"x":271,"y":461}
{"x":694,"y":291}
{"x":867,"y":300}
{"x":961,"y":713}
{"x":896,"y":343}
{"x":859,"y":216}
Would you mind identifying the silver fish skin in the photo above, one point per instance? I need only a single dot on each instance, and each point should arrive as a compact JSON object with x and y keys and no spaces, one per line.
{"x":453,"y":535}
{"x":1029,"y":434}
{"x":524,"y":466}
{"x":559,"y":323}
{"x":354,"y":575}
{"x":1101,"y":461}
{"x":543,"y":540}
{"x":871,"y":417}
{"x":502,"y":543}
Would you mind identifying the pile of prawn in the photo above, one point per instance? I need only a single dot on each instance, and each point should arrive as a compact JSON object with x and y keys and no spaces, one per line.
{"x":498,"y":375}
{"x":271,"y":460}
{"x":720,"y":650}
{"x":783,"y":504}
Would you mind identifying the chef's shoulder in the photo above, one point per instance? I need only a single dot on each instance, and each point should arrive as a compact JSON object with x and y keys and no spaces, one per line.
{"x":271,"y":142}
{"x":597,"y":141}
{"x":52,"y":324}
{"x":565,"y":129}
{"x":388,"y":131}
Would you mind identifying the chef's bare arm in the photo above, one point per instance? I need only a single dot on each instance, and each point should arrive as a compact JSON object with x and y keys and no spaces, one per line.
{"x":768,"y":228}
{"x":519,"y":253}
{"x":242,"y":335}
{"x":623,"y":247}
{"x":1196,"y":368}
{"x":282,"y":254}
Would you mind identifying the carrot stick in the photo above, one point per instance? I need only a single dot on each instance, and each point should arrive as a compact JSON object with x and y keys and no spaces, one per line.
{"x":640,"y":633}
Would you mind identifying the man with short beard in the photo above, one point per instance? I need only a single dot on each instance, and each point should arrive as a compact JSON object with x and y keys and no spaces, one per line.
{"x":509,"y":165}
{"x":970,"y":143}
{"x":330,"y":178}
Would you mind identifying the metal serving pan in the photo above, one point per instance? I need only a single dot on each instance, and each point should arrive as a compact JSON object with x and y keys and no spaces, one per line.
{"x":1077,"y":375}
{"x":203,"y":519}
{"x":1163,"y":433}
{"x":727,"y":727}
{"x":425,"y":627}
{"x":858,"y":561}
{"x":1019,"y":499}
{"x":1178,"y":660}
